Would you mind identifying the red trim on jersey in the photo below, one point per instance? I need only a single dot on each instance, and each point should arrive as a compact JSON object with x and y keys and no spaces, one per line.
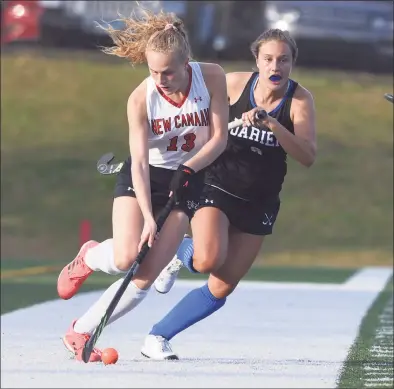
{"x":189,"y":85}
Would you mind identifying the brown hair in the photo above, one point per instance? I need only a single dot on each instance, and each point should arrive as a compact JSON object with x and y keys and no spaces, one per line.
{"x":275,"y":34}
{"x":162,"y":32}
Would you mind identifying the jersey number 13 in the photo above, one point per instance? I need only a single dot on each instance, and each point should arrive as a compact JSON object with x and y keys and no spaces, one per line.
{"x":187,"y":145}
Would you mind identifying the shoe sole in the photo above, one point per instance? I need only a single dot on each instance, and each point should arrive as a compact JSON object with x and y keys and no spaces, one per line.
{"x":58,"y":278}
{"x":158,"y":291}
{"x":74,"y":293}
{"x":169,"y":358}
{"x":68,"y":347}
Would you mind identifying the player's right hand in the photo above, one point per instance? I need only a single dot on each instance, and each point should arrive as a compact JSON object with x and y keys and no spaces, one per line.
{"x":256,"y":117}
{"x":180,"y":182}
{"x":149,"y":233}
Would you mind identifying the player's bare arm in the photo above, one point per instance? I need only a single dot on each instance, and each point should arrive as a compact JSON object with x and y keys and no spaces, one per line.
{"x":215,"y":81}
{"x":302,"y":144}
{"x":138,"y":142}
{"x":303,"y":115}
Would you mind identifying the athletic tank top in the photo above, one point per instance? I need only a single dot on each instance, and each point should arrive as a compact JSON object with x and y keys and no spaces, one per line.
{"x":177,"y":131}
{"x":253,"y":166}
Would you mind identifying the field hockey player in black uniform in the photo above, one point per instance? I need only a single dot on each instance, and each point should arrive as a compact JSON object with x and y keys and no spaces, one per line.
{"x":241,"y":198}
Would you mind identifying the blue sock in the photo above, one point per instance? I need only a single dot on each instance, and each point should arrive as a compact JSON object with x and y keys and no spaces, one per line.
{"x":195,"y":306}
{"x":185,"y":254}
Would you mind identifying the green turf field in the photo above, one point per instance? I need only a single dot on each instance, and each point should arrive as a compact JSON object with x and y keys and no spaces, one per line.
{"x":371,"y":359}
{"x":60,"y":114}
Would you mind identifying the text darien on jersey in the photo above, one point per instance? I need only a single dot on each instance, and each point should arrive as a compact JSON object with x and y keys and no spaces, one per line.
{"x":195,"y":119}
{"x":267,"y":138}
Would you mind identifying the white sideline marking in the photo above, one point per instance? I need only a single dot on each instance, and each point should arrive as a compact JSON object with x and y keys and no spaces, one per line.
{"x":271,"y":335}
{"x":382,"y":347}
{"x":369,"y":278}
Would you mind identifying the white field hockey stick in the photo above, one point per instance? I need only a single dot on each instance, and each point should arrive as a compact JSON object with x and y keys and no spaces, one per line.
{"x":104,"y":165}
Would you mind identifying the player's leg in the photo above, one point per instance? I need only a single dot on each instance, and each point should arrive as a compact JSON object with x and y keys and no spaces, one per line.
{"x":163,"y":250}
{"x":210,"y":227}
{"x":210,"y":232}
{"x":251,"y":224}
{"x":206,"y":251}
{"x":244,"y":249}
{"x":113,"y":256}
{"x":171,"y":234}
{"x":200,"y":303}
{"x":106,"y":256}
{"x":127,"y":227}
{"x":158,"y":256}
{"x":210,"y":249}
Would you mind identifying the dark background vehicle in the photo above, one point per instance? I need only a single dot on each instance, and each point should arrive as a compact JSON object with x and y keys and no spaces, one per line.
{"x":346,"y":34}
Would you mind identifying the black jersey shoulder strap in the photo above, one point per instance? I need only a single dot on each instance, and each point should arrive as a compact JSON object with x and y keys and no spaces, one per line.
{"x":245,"y":95}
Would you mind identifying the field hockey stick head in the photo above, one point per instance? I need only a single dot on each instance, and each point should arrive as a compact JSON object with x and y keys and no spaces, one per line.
{"x":105,"y":167}
{"x":103,"y":162}
{"x":389,"y":97}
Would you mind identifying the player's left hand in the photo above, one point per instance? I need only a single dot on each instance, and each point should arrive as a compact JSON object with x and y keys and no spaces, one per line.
{"x":180,"y":182}
{"x":249,"y":119}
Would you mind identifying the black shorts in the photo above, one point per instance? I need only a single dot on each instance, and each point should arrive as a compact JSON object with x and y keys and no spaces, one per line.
{"x":247,"y":216}
{"x":160,"y":179}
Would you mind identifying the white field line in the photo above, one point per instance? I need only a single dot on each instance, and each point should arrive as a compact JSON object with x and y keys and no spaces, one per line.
{"x":268,"y":334}
{"x":369,"y":278}
{"x":366,"y":279}
{"x":378,"y":372}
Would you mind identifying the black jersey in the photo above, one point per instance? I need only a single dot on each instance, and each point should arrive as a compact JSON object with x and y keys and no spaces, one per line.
{"x":253,"y":166}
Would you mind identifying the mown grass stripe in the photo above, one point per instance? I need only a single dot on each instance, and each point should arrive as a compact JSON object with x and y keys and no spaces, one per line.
{"x":28,"y":271}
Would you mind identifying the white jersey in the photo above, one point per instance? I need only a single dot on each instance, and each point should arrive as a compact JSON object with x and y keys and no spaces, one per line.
{"x":177,"y":131}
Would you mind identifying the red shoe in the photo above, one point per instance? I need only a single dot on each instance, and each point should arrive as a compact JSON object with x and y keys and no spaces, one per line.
{"x":75,"y":273}
{"x":75,"y":343}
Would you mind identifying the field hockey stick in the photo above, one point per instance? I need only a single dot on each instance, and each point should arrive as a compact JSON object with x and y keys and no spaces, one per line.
{"x":89,"y":345}
{"x":389,"y":97}
{"x":259,"y":115}
{"x":104,"y":165}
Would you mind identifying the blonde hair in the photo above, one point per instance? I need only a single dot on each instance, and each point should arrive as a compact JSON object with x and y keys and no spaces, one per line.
{"x":275,"y":34}
{"x":162,"y":32}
